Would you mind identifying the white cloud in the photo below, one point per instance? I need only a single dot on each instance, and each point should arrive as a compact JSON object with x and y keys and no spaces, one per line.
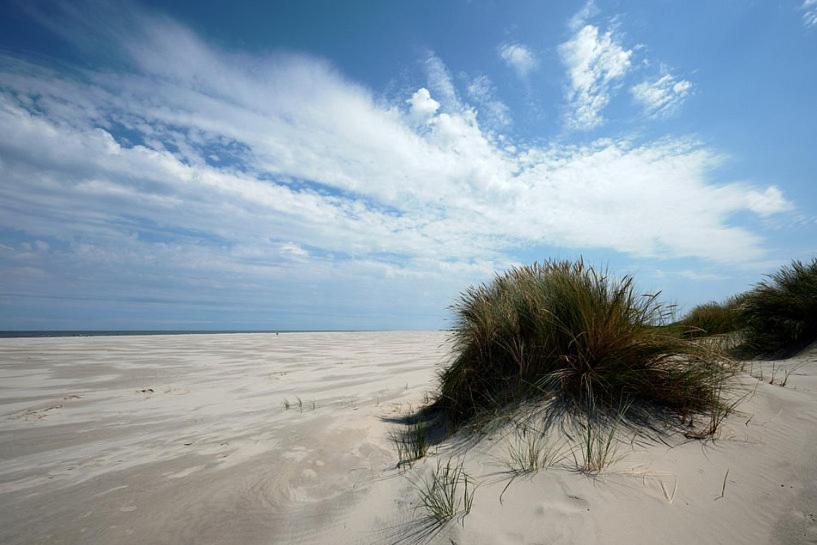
{"x":518,"y":57}
{"x":441,"y":83}
{"x":768,"y":202}
{"x":293,"y":250}
{"x":690,"y":274}
{"x":809,"y":8}
{"x":422,"y":105}
{"x":482,"y":93}
{"x":316,"y":162}
{"x":701,"y":276}
{"x":582,"y":16}
{"x":663,"y":96}
{"x":594,"y":61}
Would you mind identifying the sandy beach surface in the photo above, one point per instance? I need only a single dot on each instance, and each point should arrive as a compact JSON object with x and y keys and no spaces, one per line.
{"x":264,"y":439}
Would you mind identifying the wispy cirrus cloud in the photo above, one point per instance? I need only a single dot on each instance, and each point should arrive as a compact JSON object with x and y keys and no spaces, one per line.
{"x":809,"y":9}
{"x":482,"y":93}
{"x":663,"y":96}
{"x":581,"y":17}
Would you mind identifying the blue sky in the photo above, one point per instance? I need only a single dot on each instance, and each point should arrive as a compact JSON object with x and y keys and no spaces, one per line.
{"x":342,"y":165}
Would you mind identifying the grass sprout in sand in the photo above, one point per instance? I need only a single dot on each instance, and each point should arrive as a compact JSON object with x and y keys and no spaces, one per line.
{"x":530,"y":450}
{"x":569,"y":330}
{"x":720,"y":410}
{"x":780,"y":313}
{"x":411,"y":443}
{"x":597,"y":448}
{"x":447,"y":492}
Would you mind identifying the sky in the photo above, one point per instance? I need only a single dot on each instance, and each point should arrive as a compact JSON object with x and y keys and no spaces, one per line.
{"x":357,"y":165}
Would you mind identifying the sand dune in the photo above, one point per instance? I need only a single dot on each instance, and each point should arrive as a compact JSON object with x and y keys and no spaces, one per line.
{"x":188,"y":439}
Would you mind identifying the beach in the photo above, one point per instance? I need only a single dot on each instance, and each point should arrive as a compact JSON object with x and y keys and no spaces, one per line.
{"x":265,"y":438}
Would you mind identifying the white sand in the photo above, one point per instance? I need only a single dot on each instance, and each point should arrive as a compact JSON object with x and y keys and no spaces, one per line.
{"x":185,"y":439}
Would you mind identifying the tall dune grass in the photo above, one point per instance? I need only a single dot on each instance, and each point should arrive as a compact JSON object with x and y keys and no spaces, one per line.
{"x":780,"y":313}
{"x":714,"y":318}
{"x":566,"y":329}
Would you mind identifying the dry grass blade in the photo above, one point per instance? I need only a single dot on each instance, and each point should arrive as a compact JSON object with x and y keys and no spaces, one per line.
{"x":723,"y":487}
{"x":788,"y":372}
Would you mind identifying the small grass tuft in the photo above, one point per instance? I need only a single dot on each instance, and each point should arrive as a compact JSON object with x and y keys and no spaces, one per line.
{"x":788,"y":372}
{"x":529,"y":451}
{"x":411,"y":443}
{"x":598,"y":446}
{"x":447,"y":493}
{"x":720,"y":409}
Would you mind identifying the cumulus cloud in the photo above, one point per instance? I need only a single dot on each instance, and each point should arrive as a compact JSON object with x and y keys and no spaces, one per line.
{"x":595,"y":61}
{"x":422,"y":106}
{"x":195,"y":162}
{"x":663,"y":96}
{"x":518,"y":57}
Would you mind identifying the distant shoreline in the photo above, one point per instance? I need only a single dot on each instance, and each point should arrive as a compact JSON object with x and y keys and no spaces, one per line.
{"x":120,"y":333}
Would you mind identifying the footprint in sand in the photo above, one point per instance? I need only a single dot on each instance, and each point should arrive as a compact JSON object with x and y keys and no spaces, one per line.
{"x":36,"y":414}
{"x":570,"y":505}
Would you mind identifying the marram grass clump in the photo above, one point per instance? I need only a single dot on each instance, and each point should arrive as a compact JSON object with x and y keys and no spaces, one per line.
{"x":714,"y":318}
{"x":780,"y":313}
{"x":569,"y":330}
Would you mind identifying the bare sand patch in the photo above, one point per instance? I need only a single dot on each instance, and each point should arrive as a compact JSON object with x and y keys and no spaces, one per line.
{"x":260,"y":438}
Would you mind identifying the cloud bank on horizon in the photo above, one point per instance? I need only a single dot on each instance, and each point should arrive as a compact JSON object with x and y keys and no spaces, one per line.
{"x":205,"y":177}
